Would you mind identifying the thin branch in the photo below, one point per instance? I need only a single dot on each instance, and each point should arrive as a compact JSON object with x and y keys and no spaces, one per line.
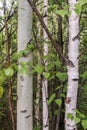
{"x":8,"y":18}
{"x":56,"y":46}
{"x":8,"y":63}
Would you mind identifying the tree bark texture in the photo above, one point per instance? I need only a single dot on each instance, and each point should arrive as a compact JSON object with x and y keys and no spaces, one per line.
{"x":72,"y":71}
{"x":44,"y":81}
{"x":24,"y":88}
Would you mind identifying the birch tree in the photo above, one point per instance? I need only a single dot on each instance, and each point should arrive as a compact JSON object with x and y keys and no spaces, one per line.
{"x":44,"y":81}
{"x":24,"y":89}
{"x":72,"y":70}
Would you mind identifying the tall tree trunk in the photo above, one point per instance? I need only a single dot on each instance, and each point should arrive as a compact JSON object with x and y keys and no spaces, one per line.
{"x":44,"y":81}
{"x":73,"y":73}
{"x":24,"y":89}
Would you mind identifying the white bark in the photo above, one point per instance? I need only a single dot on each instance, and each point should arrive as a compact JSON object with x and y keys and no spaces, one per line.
{"x":45,"y":106}
{"x":45,"y":82}
{"x":24,"y":89}
{"x":73,"y":73}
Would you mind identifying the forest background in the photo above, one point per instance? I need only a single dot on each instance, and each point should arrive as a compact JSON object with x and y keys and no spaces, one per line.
{"x":47,"y":47}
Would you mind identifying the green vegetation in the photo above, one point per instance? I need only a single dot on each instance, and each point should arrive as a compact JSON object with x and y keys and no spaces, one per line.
{"x":55,"y":72}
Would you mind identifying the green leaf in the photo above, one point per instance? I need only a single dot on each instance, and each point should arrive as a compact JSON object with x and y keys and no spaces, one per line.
{"x":39,"y":69}
{"x":1,"y":80}
{"x":58,"y":102}
{"x":46,"y":75}
{"x":81,"y":115}
{"x":9,"y":72}
{"x":82,"y":2}
{"x":62,"y":95}
{"x":56,"y":112}
{"x":50,"y":66}
{"x":79,"y":5}
{"x":15,"y":67}
{"x":52,"y":7}
{"x":24,"y":68}
{"x":20,"y":54}
{"x":1,"y":91}
{"x":52,"y":76}
{"x":62,"y":13}
{"x":70,"y":116}
{"x":61,"y":76}
{"x":51,"y":98}
{"x":25,"y":53}
{"x":37,"y":127}
{"x":84,"y":124}
{"x":78,"y":8}
{"x":57,"y":88}
{"x":14,"y":98}
{"x":77,"y":120}
{"x":84,"y":75}
{"x":57,"y":63}
{"x":30,"y":46}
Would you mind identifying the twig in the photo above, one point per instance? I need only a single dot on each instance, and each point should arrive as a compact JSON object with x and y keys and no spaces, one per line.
{"x":8,"y":63}
{"x":56,"y":46}
{"x":7,"y":19}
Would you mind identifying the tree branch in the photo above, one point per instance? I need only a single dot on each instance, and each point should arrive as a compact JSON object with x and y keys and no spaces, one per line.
{"x":10,"y":16}
{"x":8,"y":63}
{"x":56,"y":45}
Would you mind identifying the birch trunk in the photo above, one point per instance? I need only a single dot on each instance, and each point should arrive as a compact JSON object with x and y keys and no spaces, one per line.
{"x":45,"y":82}
{"x":73,"y":73}
{"x":24,"y":89}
